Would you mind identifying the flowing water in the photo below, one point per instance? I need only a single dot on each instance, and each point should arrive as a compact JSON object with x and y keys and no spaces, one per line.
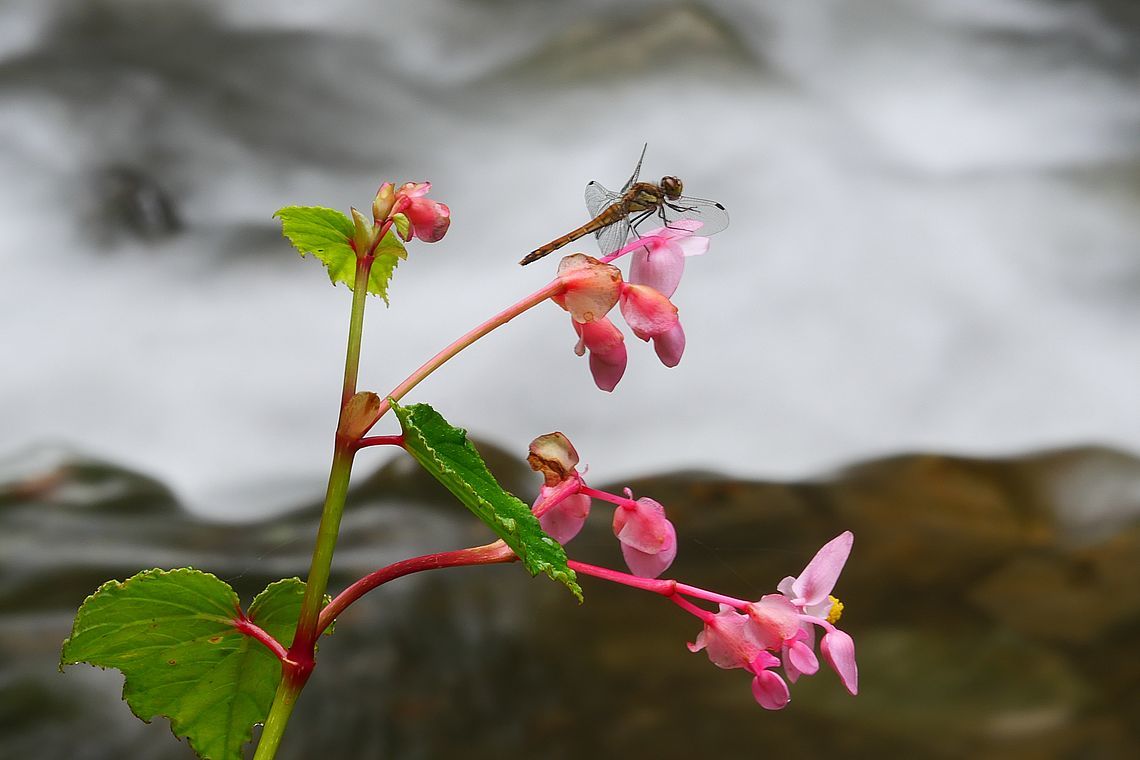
{"x":934,"y":238}
{"x":934,"y":247}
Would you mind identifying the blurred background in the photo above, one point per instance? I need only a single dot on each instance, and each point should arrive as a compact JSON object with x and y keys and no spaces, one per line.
{"x":921,"y":324}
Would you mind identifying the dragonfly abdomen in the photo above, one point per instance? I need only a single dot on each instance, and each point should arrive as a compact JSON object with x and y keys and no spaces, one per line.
{"x":611,"y":215}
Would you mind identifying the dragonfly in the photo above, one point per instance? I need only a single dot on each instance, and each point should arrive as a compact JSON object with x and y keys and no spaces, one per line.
{"x":616,"y":215}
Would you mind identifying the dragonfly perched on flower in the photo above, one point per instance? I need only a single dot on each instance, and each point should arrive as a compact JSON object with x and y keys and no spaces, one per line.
{"x":616,"y":215}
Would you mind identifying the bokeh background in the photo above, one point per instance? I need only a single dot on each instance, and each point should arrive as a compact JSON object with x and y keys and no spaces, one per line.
{"x":933,"y":267}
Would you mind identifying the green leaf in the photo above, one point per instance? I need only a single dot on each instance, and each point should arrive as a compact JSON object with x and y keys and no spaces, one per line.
{"x":445,"y":452}
{"x":171,"y":633}
{"x":327,"y":234}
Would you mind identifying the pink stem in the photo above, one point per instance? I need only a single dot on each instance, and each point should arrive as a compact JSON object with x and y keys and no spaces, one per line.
{"x":465,"y":340}
{"x":556,"y":495}
{"x":662,"y":586}
{"x":249,"y":628}
{"x":479,"y":555}
{"x":594,"y":493}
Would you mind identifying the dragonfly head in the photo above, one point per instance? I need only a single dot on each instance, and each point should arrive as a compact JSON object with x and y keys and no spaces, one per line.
{"x":672,"y":187}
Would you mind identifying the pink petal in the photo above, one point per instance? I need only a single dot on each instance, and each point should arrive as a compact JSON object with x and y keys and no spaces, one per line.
{"x":645,"y":565}
{"x":643,"y":525}
{"x":591,"y":288}
{"x":819,"y":577}
{"x":799,"y":659}
{"x":646,"y":311}
{"x":659,"y":267}
{"x":693,"y":246}
{"x":728,"y":641}
{"x":774,"y":620}
{"x":670,"y":345}
{"x":565,"y":519}
{"x":607,"y":351}
{"x":839,"y":650}
{"x":770,"y":690}
{"x":430,"y":219}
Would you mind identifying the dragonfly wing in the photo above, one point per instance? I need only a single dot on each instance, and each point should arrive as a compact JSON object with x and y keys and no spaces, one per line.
{"x":613,"y":236}
{"x":598,"y":198}
{"x":636,"y":170}
{"x":712,"y":216}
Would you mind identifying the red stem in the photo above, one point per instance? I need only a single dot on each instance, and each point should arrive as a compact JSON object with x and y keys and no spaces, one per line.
{"x":381,"y":440}
{"x":490,"y":554}
{"x":662,"y":586}
{"x":254,"y":631}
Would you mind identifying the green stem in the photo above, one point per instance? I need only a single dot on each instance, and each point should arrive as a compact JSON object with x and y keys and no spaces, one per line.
{"x":295,"y":669}
{"x":279,"y":713}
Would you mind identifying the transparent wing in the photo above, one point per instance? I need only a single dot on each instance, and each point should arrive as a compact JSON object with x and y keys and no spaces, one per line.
{"x":636,"y":170}
{"x":598,"y":199}
{"x":712,"y":216}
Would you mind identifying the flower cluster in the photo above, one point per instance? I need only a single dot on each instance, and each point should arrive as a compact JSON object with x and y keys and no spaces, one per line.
{"x":648,"y":540}
{"x":593,"y":287}
{"x":780,"y":630}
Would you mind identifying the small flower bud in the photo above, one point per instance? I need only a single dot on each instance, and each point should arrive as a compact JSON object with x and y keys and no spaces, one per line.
{"x":554,"y":456}
{"x":365,"y":234}
{"x":383,"y":202}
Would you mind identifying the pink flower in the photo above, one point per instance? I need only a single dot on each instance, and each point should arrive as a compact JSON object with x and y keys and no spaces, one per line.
{"x":658,"y":261}
{"x":810,"y":593}
{"x":648,"y":539}
{"x":555,"y":457}
{"x":606,"y":345}
{"x":658,"y":258}
{"x":428,"y":219}
{"x":785,"y":623}
{"x":589,"y":287}
{"x":565,"y":519}
{"x":730,"y":642}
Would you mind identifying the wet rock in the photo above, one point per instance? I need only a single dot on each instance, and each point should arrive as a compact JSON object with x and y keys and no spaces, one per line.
{"x":992,"y":617}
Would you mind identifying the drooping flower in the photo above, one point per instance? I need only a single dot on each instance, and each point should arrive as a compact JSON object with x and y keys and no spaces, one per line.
{"x":555,"y":457}
{"x":648,"y":539}
{"x":785,"y":623}
{"x":810,"y":593}
{"x":730,"y":642}
{"x":428,"y":219}
{"x":589,"y":287}
{"x":658,"y":258}
{"x":606,"y":345}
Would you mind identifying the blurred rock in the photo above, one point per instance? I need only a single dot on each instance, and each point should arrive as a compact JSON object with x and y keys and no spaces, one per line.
{"x":985,"y":625}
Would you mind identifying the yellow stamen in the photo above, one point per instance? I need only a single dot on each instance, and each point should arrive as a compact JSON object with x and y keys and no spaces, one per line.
{"x":836,"y":610}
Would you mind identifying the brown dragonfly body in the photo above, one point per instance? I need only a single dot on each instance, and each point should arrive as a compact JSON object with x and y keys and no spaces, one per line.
{"x":641,"y":200}
{"x":617,"y":214}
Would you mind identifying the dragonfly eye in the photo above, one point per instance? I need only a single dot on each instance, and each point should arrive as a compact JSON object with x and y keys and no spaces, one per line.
{"x":672,"y":187}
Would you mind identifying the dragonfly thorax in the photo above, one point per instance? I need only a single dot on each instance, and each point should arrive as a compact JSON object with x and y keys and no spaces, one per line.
{"x":672,"y":187}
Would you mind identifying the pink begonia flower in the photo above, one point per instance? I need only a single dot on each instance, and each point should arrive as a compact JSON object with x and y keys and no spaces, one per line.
{"x":647,"y":312}
{"x":429,"y":219}
{"x":589,"y":287}
{"x":606,"y":345}
{"x":648,"y":539}
{"x":785,"y":623}
{"x":658,"y":258}
{"x":810,"y":592}
{"x":730,"y":642}
{"x":658,"y":261}
{"x":556,"y":458}
{"x":565,"y":519}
